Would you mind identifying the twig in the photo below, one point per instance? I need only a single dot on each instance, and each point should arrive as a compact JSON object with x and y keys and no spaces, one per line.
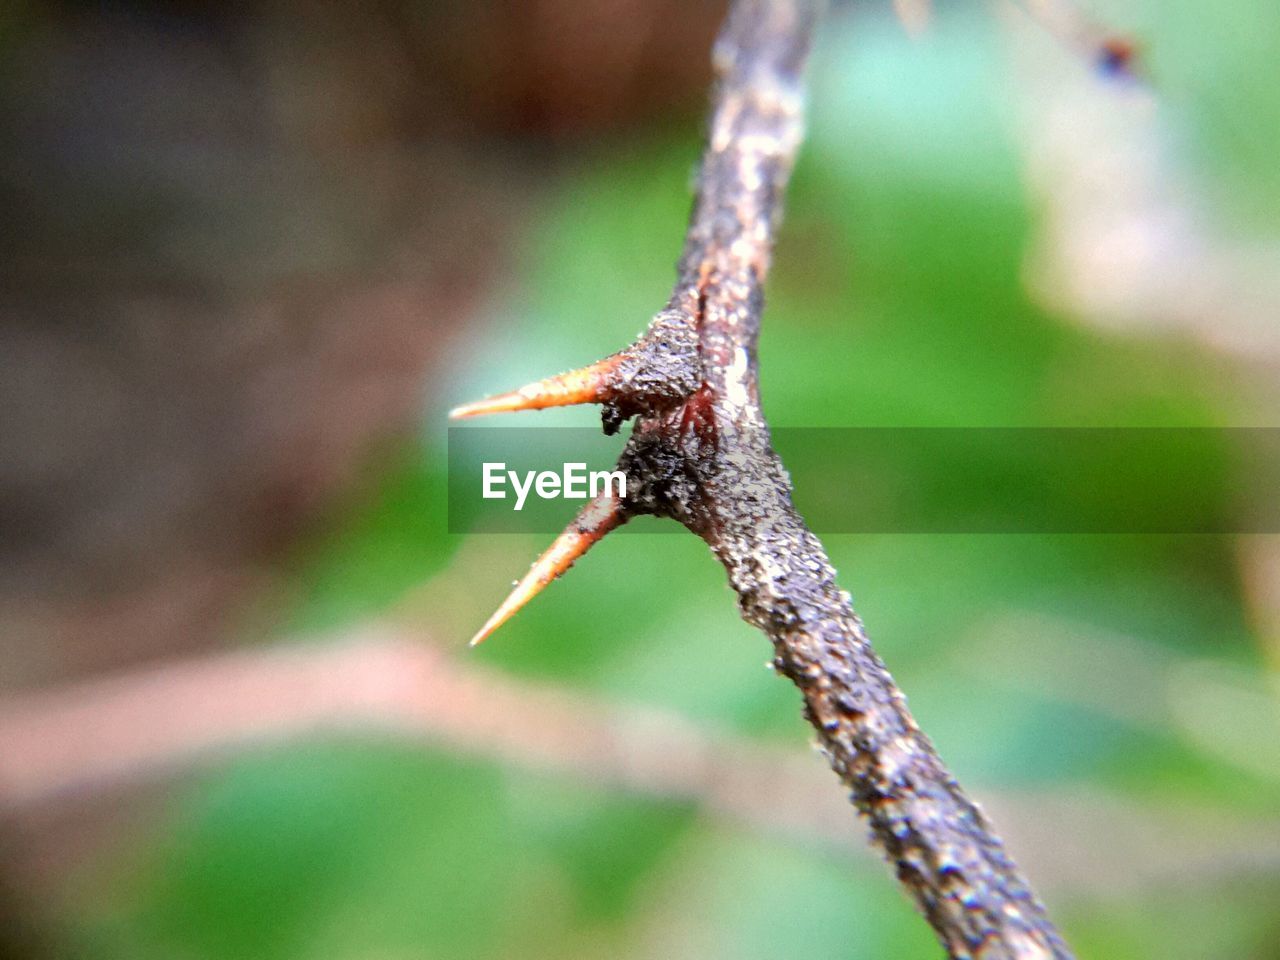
{"x":700,"y":454}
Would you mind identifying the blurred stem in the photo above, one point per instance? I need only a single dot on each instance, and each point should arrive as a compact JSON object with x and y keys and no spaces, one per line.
{"x":65,"y":748}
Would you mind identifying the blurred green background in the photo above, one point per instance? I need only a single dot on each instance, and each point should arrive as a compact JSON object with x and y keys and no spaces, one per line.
{"x":1116,"y":695}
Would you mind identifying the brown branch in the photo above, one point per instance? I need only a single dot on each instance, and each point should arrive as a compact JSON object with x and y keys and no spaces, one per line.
{"x":700,"y":454}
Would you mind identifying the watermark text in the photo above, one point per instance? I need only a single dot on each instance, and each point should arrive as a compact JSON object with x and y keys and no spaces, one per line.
{"x":573,"y":482}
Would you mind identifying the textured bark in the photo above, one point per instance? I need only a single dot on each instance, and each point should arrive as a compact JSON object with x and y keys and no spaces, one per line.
{"x":700,"y":454}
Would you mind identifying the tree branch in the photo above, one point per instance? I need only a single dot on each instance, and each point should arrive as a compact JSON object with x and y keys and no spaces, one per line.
{"x":700,"y":454}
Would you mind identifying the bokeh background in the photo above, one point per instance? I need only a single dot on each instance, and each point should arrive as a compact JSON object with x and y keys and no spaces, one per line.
{"x":253,"y":252}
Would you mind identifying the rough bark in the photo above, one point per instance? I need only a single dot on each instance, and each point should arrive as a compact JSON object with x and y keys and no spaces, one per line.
{"x":700,"y":454}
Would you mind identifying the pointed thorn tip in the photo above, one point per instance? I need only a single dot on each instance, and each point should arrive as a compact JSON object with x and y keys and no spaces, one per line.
{"x":585,"y":385}
{"x":596,"y":519}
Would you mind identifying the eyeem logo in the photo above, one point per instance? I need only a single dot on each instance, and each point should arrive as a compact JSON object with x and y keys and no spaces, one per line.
{"x":572,"y":483}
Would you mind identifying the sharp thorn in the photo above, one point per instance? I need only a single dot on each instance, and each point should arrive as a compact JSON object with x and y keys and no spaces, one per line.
{"x":596,"y":519}
{"x":587,"y":384}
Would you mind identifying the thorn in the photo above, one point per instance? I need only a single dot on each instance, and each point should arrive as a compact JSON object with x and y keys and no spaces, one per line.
{"x":596,"y":519}
{"x":587,"y":384}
